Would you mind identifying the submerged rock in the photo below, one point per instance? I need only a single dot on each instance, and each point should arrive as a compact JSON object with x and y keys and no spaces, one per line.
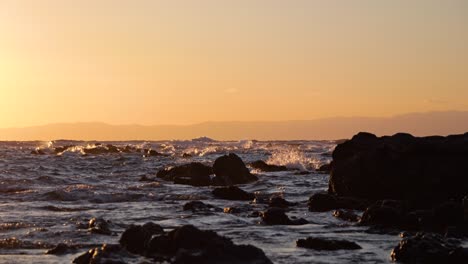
{"x":230,"y":169}
{"x":263,"y":166}
{"x":195,"y":173}
{"x":401,"y":167}
{"x":326,"y":244}
{"x":429,"y":248}
{"x":277,"y":216}
{"x":233,"y":193}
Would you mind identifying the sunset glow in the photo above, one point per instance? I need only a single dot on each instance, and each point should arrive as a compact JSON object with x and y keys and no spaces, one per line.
{"x":185,"y":62}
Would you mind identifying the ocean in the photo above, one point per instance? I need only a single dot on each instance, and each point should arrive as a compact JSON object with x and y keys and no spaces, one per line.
{"x":47,"y":197}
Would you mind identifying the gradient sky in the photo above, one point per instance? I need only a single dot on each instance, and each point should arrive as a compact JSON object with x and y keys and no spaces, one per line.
{"x":182,"y":62}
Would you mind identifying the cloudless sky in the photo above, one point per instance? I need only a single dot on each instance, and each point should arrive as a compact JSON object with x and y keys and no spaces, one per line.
{"x":183,"y":62}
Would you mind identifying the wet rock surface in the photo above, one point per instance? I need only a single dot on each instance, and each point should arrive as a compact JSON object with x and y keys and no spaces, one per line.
{"x":233,"y":193}
{"x":326,"y":244}
{"x":277,"y":216}
{"x":230,"y":169}
{"x":185,"y":244}
{"x":195,"y":173}
{"x":263,"y":166}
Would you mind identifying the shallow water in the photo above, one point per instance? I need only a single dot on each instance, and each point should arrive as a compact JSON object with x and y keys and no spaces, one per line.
{"x":44,"y":199}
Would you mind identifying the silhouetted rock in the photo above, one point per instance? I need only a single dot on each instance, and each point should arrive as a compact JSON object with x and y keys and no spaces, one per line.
{"x":279,"y":202}
{"x":326,"y":244}
{"x":263,"y":166}
{"x":325,"y":168}
{"x":233,"y":193}
{"x":135,"y":238}
{"x":384,"y":213}
{"x":62,"y":149}
{"x":230,"y":169}
{"x":322,"y":202}
{"x":401,"y":167}
{"x":277,"y":216}
{"x":188,"y":244}
{"x":429,"y":248}
{"x":195,"y":173}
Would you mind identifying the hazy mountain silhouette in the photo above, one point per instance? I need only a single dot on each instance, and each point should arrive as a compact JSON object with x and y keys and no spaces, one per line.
{"x":421,"y":124}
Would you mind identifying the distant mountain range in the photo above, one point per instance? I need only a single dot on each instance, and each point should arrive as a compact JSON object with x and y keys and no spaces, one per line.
{"x":421,"y":124}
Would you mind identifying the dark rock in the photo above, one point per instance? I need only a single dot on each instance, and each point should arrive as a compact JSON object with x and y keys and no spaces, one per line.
{"x":325,"y":168}
{"x":187,"y":244}
{"x":277,"y":216}
{"x":385,"y":213}
{"x":99,"y":226}
{"x":135,"y":238}
{"x":230,"y":169}
{"x":152,"y":153}
{"x":428,"y":248}
{"x":198,"y":206}
{"x":279,"y":202}
{"x":402,"y":167}
{"x":263,"y":166}
{"x":105,"y":254}
{"x":321,"y":202}
{"x":231,"y":210}
{"x":233,"y":193}
{"x":326,"y":244}
{"x":186,"y":155}
{"x":195,"y":174}
{"x":346,"y":215}
{"x":60,"y":249}
{"x":302,"y":173}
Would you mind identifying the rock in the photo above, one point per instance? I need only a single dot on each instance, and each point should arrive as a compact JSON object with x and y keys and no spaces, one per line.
{"x":195,"y":174}
{"x":428,"y":248}
{"x":449,"y":213}
{"x":231,"y":210}
{"x":401,"y":167}
{"x":135,"y":238}
{"x":188,"y":244}
{"x":326,"y":244}
{"x":263,"y":166}
{"x":233,"y":193}
{"x":152,"y":153}
{"x":198,"y":206}
{"x":385,"y":213}
{"x":346,"y":215}
{"x":230,"y":169}
{"x":277,"y":216}
{"x":186,"y":155}
{"x":105,"y":254}
{"x":60,"y":249}
{"x":325,"y":168}
{"x":99,"y":226}
{"x":279,"y":202}
{"x":321,"y":202}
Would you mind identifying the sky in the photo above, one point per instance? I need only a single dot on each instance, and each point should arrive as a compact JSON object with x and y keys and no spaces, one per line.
{"x":179,"y":62}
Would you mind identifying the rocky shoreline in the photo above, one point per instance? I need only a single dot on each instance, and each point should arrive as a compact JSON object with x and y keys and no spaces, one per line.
{"x":398,"y":184}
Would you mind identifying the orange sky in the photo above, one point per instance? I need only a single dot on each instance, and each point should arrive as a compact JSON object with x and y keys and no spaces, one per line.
{"x":182,"y":62}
